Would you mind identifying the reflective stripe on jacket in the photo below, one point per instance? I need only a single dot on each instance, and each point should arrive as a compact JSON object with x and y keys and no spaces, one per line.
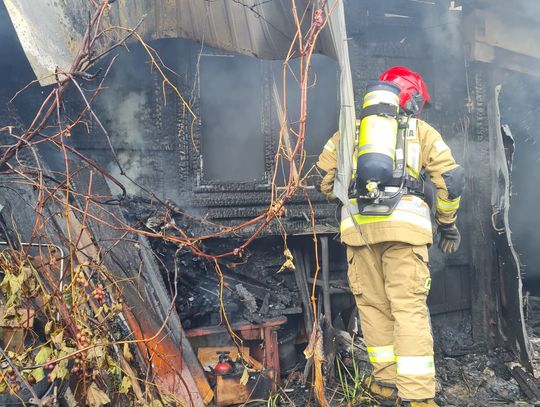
{"x":410,"y":222}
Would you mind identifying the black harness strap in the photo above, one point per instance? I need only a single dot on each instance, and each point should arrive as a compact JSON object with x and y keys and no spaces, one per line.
{"x":380,"y":109}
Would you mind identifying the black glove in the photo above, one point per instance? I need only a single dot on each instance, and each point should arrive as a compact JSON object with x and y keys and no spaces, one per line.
{"x":449,"y":238}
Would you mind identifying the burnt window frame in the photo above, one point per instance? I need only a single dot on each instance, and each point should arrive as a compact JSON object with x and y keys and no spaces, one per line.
{"x":201,"y":182}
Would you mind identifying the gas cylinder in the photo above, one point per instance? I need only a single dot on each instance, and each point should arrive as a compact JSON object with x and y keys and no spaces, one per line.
{"x":378,"y":134}
{"x":224,"y":366}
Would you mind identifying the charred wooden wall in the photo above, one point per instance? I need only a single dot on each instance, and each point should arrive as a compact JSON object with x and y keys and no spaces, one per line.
{"x":162,"y":146}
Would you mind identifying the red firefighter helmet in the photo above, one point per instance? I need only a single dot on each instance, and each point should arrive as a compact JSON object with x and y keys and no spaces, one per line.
{"x":414,"y":94}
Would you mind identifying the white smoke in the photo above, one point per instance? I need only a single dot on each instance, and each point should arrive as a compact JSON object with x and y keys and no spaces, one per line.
{"x":124,"y":109}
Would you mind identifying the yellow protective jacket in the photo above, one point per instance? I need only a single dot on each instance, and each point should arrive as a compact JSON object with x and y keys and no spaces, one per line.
{"x":410,"y":221}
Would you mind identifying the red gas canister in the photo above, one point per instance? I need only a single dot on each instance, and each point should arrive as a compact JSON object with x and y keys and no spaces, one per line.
{"x":224,"y":366}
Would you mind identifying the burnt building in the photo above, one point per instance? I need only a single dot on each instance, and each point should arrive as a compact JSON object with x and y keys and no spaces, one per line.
{"x":204,"y":148}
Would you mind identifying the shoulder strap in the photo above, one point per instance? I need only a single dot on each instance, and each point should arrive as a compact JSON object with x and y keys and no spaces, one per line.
{"x":412,"y":128}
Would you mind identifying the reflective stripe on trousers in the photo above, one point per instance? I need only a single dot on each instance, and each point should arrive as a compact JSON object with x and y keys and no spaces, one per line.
{"x":381,"y":354}
{"x":415,"y":365}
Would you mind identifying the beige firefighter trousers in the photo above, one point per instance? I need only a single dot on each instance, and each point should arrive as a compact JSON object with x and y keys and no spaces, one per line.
{"x":390,"y":282}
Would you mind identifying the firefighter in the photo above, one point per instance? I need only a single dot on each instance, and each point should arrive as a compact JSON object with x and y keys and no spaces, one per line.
{"x":387,"y":231}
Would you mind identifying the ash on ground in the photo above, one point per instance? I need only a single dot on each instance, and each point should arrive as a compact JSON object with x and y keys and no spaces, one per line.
{"x":474,"y":380}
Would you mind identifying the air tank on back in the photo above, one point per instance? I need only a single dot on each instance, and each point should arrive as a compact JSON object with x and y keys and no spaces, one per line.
{"x":378,"y":133}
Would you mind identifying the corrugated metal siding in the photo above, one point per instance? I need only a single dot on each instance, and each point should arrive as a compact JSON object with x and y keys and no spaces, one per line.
{"x":50,"y":32}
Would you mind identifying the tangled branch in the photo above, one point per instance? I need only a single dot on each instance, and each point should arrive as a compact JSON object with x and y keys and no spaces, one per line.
{"x":80,"y":300}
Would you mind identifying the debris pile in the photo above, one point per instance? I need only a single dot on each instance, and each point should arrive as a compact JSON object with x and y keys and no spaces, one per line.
{"x":244,"y":299}
{"x":478,"y":379}
{"x":252,"y":291}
